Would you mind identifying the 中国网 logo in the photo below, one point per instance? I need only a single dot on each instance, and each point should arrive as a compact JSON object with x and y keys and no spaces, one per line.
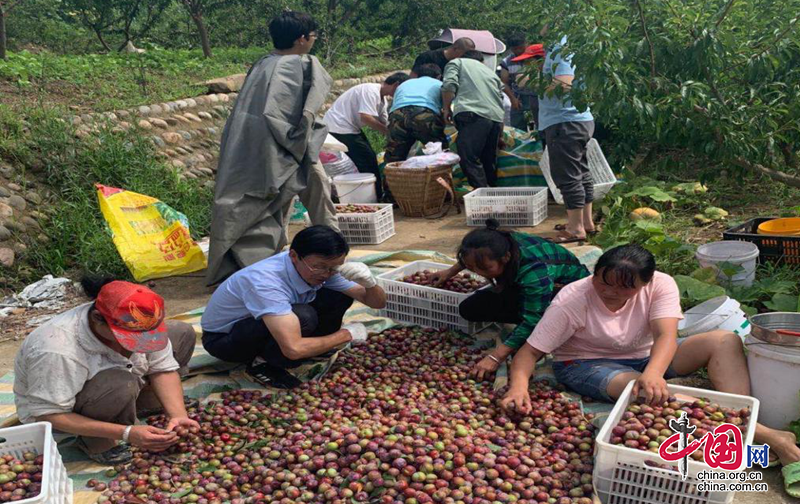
{"x":723,"y":448}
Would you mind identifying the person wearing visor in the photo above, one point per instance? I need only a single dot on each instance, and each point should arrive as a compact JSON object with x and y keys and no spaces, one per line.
{"x":512,"y":73}
{"x":91,"y":370}
{"x":281,"y":311}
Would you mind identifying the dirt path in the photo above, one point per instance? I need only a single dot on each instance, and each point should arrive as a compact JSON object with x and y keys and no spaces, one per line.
{"x":189,"y":292}
{"x":441,"y":235}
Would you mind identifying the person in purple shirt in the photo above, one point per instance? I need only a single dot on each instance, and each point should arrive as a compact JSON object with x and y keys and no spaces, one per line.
{"x":282,"y":310}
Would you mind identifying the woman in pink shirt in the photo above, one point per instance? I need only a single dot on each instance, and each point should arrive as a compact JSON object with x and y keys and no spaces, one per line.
{"x":621,"y":324}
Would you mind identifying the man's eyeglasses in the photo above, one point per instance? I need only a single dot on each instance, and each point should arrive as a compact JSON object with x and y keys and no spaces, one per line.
{"x":319,"y":271}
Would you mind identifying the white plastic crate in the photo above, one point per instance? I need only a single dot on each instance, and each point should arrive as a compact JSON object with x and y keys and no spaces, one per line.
{"x":60,"y":481}
{"x":367,"y":228}
{"x":422,"y":305}
{"x":510,"y":206}
{"x":602,"y":175}
{"x":68,"y":497}
{"x":621,"y":476}
{"x":38,"y":438}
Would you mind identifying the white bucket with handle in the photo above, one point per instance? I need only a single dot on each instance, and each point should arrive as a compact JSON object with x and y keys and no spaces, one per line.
{"x":356,"y":188}
{"x":721,"y":312}
{"x":773,"y":381}
{"x":734,"y":261}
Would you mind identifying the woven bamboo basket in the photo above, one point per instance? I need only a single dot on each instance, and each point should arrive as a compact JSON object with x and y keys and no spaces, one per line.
{"x":420,"y":192}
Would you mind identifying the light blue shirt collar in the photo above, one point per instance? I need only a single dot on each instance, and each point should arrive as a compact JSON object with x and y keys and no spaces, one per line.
{"x":297,"y":282}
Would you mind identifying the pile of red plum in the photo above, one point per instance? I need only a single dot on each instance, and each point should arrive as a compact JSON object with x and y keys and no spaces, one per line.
{"x":20,"y":478}
{"x":462,"y":283}
{"x":397,"y":420}
{"x":645,"y":427}
{"x":350,"y":208}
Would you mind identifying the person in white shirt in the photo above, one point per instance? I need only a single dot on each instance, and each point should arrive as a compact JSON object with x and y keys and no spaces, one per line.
{"x":90,"y":370}
{"x":359,"y":106}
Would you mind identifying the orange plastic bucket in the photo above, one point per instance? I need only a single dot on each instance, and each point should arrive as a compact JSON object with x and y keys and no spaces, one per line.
{"x":781,"y":227}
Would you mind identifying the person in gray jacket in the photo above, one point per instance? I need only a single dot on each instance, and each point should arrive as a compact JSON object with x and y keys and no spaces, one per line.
{"x":270,"y":152}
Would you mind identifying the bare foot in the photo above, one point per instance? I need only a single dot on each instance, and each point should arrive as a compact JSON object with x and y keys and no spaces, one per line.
{"x":784,"y":445}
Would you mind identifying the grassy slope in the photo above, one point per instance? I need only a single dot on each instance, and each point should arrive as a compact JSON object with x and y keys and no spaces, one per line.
{"x":78,"y":238}
{"x":104,"y":82}
{"x":40,"y":87}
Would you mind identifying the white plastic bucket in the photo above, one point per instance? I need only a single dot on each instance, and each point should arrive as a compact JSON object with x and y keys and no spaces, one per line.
{"x":774,"y":375}
{"x":734,"y":261}
{"x":718,"y":313}
{"x":356,"y":188}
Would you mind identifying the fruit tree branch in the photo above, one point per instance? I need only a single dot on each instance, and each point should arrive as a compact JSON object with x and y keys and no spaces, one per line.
{"x":767,"y":47}
{"x":783,"y":177}
{"x":725,"y":13}
{"x":8,"y":7}
{"x":649,"y":42}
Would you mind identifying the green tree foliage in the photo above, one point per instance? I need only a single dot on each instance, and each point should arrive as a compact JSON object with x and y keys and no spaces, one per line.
{"x":40,"y":23}
{"x":348,"y":27}
{"x":713,"y":80}
{"x":126,"y":20}
{"x":718,"y":79}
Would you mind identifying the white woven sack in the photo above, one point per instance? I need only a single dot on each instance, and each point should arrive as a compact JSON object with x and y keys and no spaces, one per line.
{"x":342,"y":166}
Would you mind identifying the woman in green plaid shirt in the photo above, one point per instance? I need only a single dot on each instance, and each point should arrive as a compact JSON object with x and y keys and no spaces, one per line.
{"x":526,"y":271}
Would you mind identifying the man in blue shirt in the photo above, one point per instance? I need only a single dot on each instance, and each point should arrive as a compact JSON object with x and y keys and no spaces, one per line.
{"x":567,"y":132}
{"x":416,"y":113}
{"x":277,"y":312}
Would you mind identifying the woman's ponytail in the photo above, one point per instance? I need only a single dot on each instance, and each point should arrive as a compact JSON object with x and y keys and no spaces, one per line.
{"x":495,"y":244}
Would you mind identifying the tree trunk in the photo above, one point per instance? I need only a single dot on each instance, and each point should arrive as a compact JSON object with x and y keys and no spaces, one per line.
{"x":201,"y":28}
{"x":2,"y":33}
{"x":790,"y":180}
{"x":124,"y":43}
{"x":100,"y":38}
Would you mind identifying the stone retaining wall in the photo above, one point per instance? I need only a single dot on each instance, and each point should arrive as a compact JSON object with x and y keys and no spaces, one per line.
{"x":186,"y":133}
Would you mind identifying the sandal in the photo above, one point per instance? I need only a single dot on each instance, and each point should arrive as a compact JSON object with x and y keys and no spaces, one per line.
{"x":791,"y":479}
{"x":271,"y":376}
{"x":563,"y":227}
{"x":566,"y":238}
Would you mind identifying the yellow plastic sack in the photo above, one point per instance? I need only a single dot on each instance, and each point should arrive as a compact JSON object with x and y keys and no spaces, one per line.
{"x":152,"y":238}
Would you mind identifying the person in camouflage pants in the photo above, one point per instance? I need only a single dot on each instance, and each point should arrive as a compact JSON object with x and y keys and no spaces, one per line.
{"x":416,"y":114}
{"x":409,"y":125}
